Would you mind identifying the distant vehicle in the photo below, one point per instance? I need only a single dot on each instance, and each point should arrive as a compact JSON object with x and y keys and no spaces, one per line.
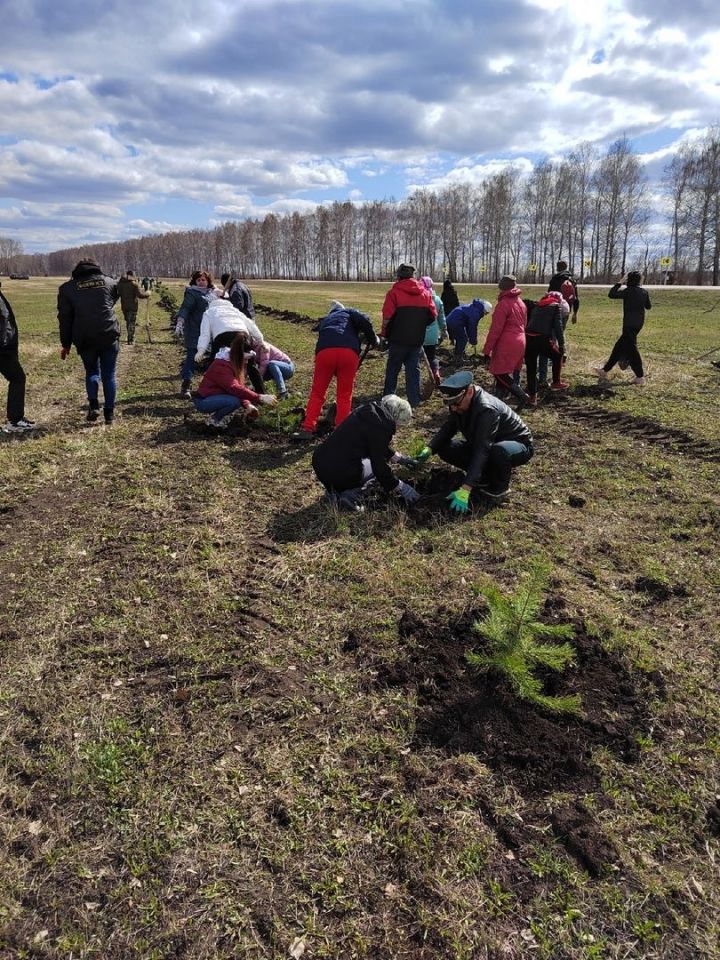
{"x":19,"y":276}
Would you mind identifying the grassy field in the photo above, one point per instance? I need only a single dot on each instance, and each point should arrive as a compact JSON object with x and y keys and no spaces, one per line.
{"x":236,"y":724}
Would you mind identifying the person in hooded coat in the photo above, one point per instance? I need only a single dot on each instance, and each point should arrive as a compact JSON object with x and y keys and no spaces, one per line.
{"x":87,"y":321}
{"x":13,"y":372}
{"x":337,"y":354}
{"x":436,"y":332}
{"x":462,"y":324}
{"x":197,"y":298}
{"x":504,"y":347}
{"x":359,"y":449}
{"x":408,"y":310}
{"x":545,"y":337}
{"x":449,"y":297}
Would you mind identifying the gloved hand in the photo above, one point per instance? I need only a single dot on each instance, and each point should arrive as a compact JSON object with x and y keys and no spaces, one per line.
{"x":442,"y":338}
{"x":564,"y":358}
{"x":179,"y":327}
{"x":267,"y":399}
{"x":459,"y":500}
{"x":408,"y":493}
{"x":424,"y":455}
{"x":251,"y":411}
{"x":378,"y":343}
{"x":198,"y":357}
{"x":64,"y":351}
{"x":402,"y":460}
{"x":250,"y":355}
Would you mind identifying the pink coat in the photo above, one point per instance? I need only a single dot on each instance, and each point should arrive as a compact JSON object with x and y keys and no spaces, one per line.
{"x":505,"y":343}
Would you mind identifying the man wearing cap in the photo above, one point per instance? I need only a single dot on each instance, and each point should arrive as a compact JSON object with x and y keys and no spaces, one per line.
{"x":407,"y":312}
{"x":495,"y":440}
{"x":130,"y":294}
{"x":360,"y":449}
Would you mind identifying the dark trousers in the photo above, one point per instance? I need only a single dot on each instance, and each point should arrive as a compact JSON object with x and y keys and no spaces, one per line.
{"x":626,"y":349}
{"x":131,"y":322}
{"x":503,"y":456}
{"x":15,"y":375}
{"x":540,"y":347}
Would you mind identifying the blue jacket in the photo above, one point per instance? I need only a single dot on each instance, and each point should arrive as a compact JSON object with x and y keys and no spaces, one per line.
{"x":466,"y":318}
{"x":432,"y":333}
{"x":195,"y":303}
{"x":342,"y":328}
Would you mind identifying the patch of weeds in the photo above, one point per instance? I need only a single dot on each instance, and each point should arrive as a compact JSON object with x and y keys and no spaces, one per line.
{"x":116,"y":758}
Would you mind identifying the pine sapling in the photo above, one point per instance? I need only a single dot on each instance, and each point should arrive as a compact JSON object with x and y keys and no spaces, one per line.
{"x":514,"y":642}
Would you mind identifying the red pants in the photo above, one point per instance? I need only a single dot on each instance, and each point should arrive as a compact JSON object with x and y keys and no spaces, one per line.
{"x":339,"y":362}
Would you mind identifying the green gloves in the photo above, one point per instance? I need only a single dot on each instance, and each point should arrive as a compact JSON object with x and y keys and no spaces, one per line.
{"x":424,"y":455}
{"x":459,"y":500}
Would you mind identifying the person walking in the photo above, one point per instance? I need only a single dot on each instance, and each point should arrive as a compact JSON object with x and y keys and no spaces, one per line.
{"x":636,"y":301}
{"x":199,"y":294}
{"x":505,"y":343}
{"x":130,"y":295}
{"x":337,"y":354}
{"x":12,"y":371}
{"x":359,"y":449}
{"x":87,"y":321}
{"x":495,"y":440}
{"x":407,"y":312}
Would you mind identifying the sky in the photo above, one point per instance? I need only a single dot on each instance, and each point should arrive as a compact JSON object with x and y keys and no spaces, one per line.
{"x":119,"y":119}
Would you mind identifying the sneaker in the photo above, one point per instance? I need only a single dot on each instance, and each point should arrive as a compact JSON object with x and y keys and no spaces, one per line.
{"x":303,"y":436}
{"x":350,"y":500}
{"x":185,"y":390}
{"x":92,"y":414}
{"x":543,"y":384}
{"x":532,"y":400}
{"x":601,"y":373}
{"x":559,"y":385}
{"x":495,"y":495}
{"x":109,"y":417}
{"x":283,"y":395}
{"x":638,"y":381}
{"x":15,"y":426}
{"x":216,"y":424}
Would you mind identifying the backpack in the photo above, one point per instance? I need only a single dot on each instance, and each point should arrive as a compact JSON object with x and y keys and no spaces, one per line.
{"x":567,"y":289}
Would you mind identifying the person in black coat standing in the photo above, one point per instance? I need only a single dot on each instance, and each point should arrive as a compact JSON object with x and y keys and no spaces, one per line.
{"x":635,"y":302}
{"x":12,"y":371}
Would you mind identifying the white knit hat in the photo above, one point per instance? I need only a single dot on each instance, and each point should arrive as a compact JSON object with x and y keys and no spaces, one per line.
{"x":397,"y":408}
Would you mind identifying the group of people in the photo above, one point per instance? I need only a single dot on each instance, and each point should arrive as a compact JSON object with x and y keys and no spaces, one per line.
{"x":218,"y":325}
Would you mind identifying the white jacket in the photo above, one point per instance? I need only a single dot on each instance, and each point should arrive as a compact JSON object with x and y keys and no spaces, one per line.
{"x":222,"y":317}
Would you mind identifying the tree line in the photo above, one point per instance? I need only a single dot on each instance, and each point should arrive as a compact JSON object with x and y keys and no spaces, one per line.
{"x":596,"y":211}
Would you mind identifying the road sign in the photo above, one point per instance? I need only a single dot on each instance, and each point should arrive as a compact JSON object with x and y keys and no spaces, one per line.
{"x":532,"y":267}
{"x":665,"y":261}
{"x":588,"y":263}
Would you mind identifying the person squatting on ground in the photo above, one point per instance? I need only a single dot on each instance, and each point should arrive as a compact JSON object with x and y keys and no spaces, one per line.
{"x":238,"y":294}
{"x":495,"y":440}
{"x":221,"y":322}
{"x":359,"y":450}
{"x":449,"y":298}
{"x":407,"y":312}
{"x":564,"y":283}
{"x":273,"y":364}
{"x":87,"y":320}
{"x":11,"y":369}
{"x":198,"y":296}
{"x":436,"y":332}
{"x":505,"y":343}
{"x":222,"y":390}
{"x":545,"y":336}
{"x":462,"y":324}
{"x":130,"y":295}
{"x":337,"y":354}
{"x":635,"y":302}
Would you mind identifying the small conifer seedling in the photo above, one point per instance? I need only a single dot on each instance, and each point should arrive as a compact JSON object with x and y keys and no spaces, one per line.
{"x":514,"y":646}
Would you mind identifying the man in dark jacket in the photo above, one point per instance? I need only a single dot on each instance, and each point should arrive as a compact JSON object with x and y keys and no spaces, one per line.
{"x":635,"y":302}
{"x":495,"y":440}
{"x":12,"y":371}
{"x":130,"y":294}
{"x":564,"y":282}
{"x":239,"y":294}
{"x":360,"y":449}
{"x":407,"y":312}
{"x":87,"y":321}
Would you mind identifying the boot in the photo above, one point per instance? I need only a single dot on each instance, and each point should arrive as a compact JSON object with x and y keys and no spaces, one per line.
{"x":185,"y":390}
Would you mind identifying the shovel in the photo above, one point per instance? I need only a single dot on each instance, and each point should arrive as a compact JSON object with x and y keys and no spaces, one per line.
{"x":427,"y":387}
{"x":148,"y":328}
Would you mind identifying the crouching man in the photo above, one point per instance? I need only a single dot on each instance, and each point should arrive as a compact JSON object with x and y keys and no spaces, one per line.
{"x":359,"y":449}
{"x":495,"y":440}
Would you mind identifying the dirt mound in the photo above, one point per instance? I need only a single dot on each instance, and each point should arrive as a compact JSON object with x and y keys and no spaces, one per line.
{"x":290,"y":316}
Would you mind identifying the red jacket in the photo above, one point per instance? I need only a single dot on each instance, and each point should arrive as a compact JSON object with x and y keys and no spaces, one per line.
{"x":407,"y":312}
{"x":220,"y":379}
{"x":505,"y":343}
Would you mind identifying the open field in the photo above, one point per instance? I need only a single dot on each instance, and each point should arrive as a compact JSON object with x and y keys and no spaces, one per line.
{"x":238,"y":725}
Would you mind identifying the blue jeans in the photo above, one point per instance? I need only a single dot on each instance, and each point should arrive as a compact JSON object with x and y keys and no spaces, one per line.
{"x":503,"y":456}
{"x":220,"y":404}
{"x":192,"y":335}
{"x":461,"y":341}
{"x":399,"y":357}
{"x":279,"y":371}
{"x":100,"y":366}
